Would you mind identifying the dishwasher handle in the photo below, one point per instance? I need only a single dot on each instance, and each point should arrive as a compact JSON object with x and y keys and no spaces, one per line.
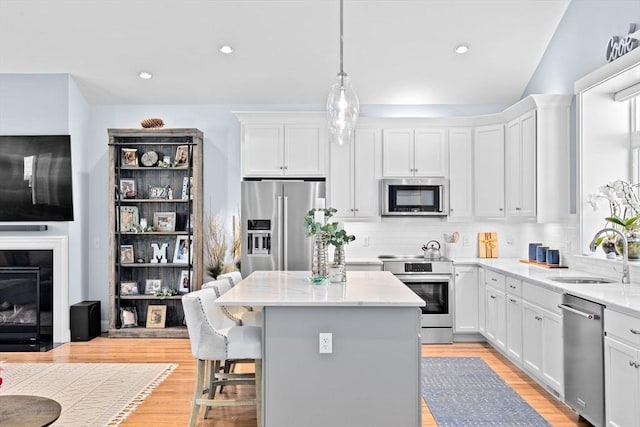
{"x":589,"y":316}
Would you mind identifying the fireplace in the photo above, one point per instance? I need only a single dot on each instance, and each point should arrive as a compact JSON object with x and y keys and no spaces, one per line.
{"x":26,"y":300}
{"x":60,"y":247}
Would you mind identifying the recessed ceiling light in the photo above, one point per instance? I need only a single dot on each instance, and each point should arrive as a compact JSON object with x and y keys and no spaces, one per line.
{"x":145,"y":75}
{"x":462,"y":48}
{"x":225,"y":48}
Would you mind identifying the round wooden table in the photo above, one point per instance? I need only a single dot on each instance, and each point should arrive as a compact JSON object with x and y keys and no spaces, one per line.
{"x":28,"y":411}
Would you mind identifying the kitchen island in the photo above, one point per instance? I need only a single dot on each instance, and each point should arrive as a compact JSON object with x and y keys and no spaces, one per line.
{"x":370,"y":378}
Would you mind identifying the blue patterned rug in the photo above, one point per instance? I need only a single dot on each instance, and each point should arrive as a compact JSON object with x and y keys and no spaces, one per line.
{"x":464,"y":391}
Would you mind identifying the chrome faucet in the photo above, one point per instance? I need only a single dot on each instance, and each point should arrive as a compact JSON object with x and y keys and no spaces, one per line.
{"x":625,"y":255}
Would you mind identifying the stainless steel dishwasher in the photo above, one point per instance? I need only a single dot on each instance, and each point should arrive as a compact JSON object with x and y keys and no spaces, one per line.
{"x":583,"y":334}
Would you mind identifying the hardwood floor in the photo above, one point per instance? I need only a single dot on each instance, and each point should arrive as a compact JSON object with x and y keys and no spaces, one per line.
{"x":169,"y":404}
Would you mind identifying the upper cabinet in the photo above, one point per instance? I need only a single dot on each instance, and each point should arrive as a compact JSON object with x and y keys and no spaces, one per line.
{"x":520,"y":166}
{"x":414,"y":152}
{"x":460,"y":173}
{"x":354,"y":174}
{"x":283,"y":145}
{"x":488,"y":165}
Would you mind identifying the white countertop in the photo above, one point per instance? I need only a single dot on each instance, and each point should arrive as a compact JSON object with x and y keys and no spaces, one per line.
{"x":613,"y":295}
{"x":292,"y":288}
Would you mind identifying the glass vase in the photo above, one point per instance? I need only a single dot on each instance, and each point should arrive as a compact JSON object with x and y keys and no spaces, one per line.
{"x":338,"y":260}
{"x":319,"y":267}
{"x":633,"y":240}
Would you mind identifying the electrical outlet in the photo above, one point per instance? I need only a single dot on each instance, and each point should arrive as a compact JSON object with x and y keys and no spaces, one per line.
{"x":465,"y":240}
{"x":365,"y":241}
{"x":326,"y":343}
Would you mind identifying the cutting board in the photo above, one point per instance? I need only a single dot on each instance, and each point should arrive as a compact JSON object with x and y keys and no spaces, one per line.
{"x":488,"y":244}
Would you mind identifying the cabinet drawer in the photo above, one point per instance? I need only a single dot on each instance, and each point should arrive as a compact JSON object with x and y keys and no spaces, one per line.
{"x":622,"y":326}
{"x":542,"y":297}
{"x":514,"y":286}
{"x":494,"y":279}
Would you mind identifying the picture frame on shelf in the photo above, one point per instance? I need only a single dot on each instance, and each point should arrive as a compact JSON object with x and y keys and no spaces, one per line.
{"x":182,"y":252}
{"x":152,"y":286}
{"x":129,"y":157}
{"x":126,"y":254}
{"x":128,"y":317}
{"x":184,"y":284}
{"x":182,"y":156}
{"x":129,"y":218}
{"x":156,"y":316}
{"x":128,"y":188}
{"x":187,"y":188}
{"x":159,"y":192}
{"x":164,"y":221}
{"x":129,"y":288}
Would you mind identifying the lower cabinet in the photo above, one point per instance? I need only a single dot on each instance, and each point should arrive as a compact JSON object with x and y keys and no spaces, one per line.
{"x":622,"y":369}
{"x":542,"y":345}
{"x":466,"y":299}
{"x":514,"y":328}
{"x":495,"y":327}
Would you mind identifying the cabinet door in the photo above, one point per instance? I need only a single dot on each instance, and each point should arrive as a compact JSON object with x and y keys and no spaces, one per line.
{"x":514,"y":328}
{"x":532,"y":339}
{"x":263,"y":150}
{"x":340,"y":179}
{"x":430,"y":154}
{"x":621,"y":384}
{"x":367,"y":172}
{"x":304,"y":150}
{"x":482,"y":302}
{"x":466,"y":299}
{"x":460,"y":173}
{"x":397,"y":153}
{"x":495,"y":317}
{"x":488,"y":152}
{"x":520,"y":166}
{"x":552,"y":351}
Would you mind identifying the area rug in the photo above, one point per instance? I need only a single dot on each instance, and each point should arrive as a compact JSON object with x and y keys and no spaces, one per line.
{"x":465,"y":391}
{"x":91,"y":394}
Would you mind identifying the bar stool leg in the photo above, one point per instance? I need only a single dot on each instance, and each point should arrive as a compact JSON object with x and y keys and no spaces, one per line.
{"x":197,"y":392}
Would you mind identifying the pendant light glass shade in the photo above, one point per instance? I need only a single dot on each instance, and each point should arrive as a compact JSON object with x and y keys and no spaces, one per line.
{"x":343,"y":109}
{"x":343,"y":106}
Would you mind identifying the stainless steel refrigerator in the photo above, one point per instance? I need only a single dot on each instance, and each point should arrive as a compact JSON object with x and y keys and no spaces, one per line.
{"x":273,"y":231}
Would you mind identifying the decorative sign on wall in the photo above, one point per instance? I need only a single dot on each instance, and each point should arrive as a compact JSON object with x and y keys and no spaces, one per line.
{"x":616,"y":47}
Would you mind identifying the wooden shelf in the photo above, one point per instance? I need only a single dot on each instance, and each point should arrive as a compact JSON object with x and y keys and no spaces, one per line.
{"x":152,"y":201}
{"x":155,"y":264}
{"x":153,"y":297}
{"x":142,"y":332}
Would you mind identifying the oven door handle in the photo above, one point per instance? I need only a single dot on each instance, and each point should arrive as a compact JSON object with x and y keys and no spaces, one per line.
{"x":424,"y":279}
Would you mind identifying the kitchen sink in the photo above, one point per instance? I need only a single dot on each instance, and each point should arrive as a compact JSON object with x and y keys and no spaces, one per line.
{"x":581,"y":280}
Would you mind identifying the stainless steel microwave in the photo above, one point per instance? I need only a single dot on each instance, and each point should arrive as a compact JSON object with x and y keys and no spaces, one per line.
{"x":414,"y":197}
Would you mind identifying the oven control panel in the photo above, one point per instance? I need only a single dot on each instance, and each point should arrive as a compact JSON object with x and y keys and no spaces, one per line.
{"x":417,"y":267}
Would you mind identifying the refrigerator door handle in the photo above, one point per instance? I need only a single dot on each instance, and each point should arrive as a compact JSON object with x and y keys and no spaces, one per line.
{"x":286,"y":231}
{"x":279,"y":234}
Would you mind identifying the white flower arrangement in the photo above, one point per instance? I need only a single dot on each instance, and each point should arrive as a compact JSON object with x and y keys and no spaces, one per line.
{"x":624,"y":207}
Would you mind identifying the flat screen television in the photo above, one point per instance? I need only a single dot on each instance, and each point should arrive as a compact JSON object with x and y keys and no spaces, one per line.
{"x":35,"y":178}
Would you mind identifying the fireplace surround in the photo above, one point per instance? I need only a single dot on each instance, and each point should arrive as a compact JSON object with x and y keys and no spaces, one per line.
{"x":55,"y":315}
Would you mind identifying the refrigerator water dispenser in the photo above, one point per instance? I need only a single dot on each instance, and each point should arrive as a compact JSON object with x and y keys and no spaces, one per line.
{"x":259,"y":233}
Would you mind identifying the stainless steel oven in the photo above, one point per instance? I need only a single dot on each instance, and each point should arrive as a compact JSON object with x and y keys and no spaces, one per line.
{"x":431,"y":280}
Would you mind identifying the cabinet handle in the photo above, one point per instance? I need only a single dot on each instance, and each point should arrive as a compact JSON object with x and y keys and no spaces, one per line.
{"x":512,"y":287}
{"x":538,"y":318}
{"x":512,"y":300}
{"x":457,"y":274}
{"x":451,"y":210}
{"x":631,"y":363}
{"x":492,"y":296}
{"x":286,"y":167}
{"x":634,"y":331}
{"x":518,"y":209}
{"x":501,"y":209}
{"x":493,"y":279}
{"x":356,"y":210}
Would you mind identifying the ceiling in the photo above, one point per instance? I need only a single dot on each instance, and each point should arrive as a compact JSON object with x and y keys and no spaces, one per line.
{"x":285,"y":51}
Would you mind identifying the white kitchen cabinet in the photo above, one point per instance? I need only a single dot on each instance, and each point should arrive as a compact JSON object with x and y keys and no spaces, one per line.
{"x":514,"y":320}
{"x":488,"y":165}
{"x":414,"y":153}
{"x":542,"y":345}
{"x":520,"y":167}
{"x":495,"y":326}
{"x":622,"y":369}
{"x":466,"y":299}
{"x":482,"y":288}
{"x":283,"y":145}
{"x":460,"y":173}
{"x":354,"y":174}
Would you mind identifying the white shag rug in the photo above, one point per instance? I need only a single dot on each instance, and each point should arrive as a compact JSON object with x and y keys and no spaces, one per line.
{"x":91,"y":394}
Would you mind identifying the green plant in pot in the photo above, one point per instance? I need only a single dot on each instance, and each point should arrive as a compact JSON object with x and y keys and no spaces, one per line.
{"x":624,"y":207}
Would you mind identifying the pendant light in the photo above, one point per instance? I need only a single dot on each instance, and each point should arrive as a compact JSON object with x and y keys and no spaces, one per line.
{"x":342,"y":105}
